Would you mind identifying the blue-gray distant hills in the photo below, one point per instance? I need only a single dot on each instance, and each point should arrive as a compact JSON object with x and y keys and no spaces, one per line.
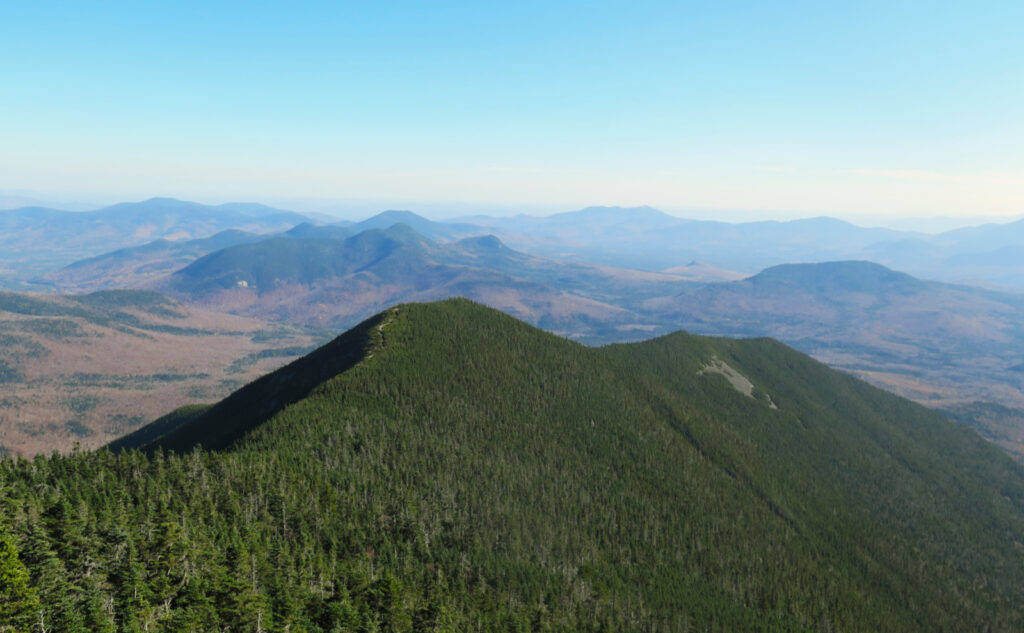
{"x":317,"y":280}
{"x":35,"y":240}
{"x":641,"y":238}
{"x":137,"y":265}
{"x":648,"y":239}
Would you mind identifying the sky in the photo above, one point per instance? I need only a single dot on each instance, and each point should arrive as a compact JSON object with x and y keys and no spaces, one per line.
{"x":787,"y":109}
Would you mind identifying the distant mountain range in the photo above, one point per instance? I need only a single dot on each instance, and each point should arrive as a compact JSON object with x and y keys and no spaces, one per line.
{"x":648,"y":239}
{"x":943,"y":345}
{"x":40,"y":241}
{"x":337,"y":282}
{"x":36,"y":240}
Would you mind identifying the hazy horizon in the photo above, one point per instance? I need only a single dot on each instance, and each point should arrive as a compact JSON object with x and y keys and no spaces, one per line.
{"x":442,"y":210}
{"x":873,"y":110}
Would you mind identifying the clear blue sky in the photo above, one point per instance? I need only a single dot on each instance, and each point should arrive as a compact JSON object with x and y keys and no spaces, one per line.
{"x":845,"y":108}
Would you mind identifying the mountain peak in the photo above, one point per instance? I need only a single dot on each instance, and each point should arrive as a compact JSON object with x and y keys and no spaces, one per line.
{"x":230,"y":419}
{"x":624,"y":213}
{"x":834,"y":487}
{"x":385,"y":219}
{"x":861,"y":276}
{"x":161,"y":200}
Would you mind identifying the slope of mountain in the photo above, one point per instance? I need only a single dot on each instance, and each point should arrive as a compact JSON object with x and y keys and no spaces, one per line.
{"x":444,"y":467}
{"x":1001,"y":268}
{"x":704,"y":272}
{"x":990,"y":255}
{"x":1007,"y":257}
{"x":136,"y":266}
{"x":940,"y":344}
{"x":34,"y":241}
{"x":983,"y":238}
{"x":85,"y":369}
{"x":831,"y":278}
{"x":329,"y":232}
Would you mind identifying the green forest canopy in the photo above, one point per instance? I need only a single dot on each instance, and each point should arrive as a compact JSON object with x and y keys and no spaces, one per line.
{"x":444,"y":467}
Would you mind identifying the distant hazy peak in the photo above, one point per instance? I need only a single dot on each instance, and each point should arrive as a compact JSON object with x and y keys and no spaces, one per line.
{"x":847,"y":275}
{"x":394,"y":216}
{"x":644,"y":212}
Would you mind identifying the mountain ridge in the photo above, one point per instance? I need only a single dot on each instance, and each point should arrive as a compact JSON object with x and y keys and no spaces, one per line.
{"x":842,"y":491}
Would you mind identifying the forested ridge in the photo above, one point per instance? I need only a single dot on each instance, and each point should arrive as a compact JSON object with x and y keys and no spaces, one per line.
{"x":444,"y":467}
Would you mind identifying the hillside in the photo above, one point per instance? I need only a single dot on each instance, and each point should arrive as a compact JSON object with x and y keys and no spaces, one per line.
{"x":940,"y":344}
{"x":328,"y":282}
{"x":137,"y":266}
{"x":702,"y":271}
{"x":88,"y":368}
{"x":466,"y":472}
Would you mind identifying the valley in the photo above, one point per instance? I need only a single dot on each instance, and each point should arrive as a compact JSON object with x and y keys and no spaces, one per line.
{"x":84,"y":370}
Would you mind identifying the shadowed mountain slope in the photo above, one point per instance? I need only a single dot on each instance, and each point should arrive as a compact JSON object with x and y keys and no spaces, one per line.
{"x":632,"y":487}
{"x":87,"y":369}
{"x":218,"y":426}
{"x":138,"y":265}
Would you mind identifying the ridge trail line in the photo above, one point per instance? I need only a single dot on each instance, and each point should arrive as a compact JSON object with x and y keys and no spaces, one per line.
{"x":378,"y":344}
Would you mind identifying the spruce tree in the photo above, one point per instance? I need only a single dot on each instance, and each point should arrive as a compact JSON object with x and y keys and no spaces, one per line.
{"x":18,"y":601}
